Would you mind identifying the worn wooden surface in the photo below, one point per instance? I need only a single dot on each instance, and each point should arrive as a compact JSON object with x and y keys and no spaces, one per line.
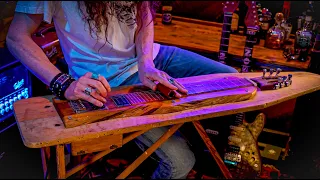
{"x":102,"y":154}
{"x":40,"y":124}
{"x":204,"y":36}
{"x":61,"y":164}
{"x":96,"y":145}
{"x":245,"y":91}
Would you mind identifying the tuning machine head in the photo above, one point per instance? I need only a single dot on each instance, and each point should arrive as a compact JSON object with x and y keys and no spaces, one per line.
{"x":278,"y":71}
{"x":271,"y":71}
{"x":288,"y":82}
{"x":276,"y":86}
{"x":264,"y":71}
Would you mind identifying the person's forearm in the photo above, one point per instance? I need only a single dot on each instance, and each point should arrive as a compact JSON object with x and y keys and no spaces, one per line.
{"x":31,"y":55}
{"x":144,"y":40}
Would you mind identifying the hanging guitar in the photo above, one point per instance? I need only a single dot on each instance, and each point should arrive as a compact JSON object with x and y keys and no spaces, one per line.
{"x":228,"y":9}
{"x":251,"y":22}
{"x":243,"y":154}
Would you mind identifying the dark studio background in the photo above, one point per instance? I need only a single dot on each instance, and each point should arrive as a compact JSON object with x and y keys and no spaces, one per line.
{"x":21,"y":162}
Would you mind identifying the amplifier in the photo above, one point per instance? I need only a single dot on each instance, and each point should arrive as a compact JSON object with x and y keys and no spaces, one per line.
{"x":15,"y":84}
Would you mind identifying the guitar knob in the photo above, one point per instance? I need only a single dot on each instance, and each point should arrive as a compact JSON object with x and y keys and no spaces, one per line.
{"x":278,"y":71}
{"x":264,"y":71}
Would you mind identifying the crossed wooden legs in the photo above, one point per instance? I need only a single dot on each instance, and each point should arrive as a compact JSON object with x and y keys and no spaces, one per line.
{"x":61,"y":168}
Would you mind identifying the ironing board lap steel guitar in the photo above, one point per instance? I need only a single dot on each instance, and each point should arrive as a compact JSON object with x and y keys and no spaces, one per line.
{"x":40,"y":125}
{"x":140,"y":100}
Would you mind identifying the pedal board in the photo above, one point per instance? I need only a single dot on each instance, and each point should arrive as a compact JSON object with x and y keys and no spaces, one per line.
{"x":274,"y":144}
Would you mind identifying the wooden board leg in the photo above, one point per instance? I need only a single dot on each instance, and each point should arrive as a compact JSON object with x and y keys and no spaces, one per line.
{"x":149,"y":151}
{"x":45,"y":156}
{"x":103,"y":153}
{"x":212,"y":149}
{"x":76,"y":160}
{"x":61,"y":164}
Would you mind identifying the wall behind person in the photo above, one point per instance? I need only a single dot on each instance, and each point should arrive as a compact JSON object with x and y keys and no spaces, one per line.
{"x":204,"y":10}
{"x":6,"y":15}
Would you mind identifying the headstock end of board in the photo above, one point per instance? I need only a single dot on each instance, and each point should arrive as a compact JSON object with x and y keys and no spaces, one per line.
{"x":273,"y":82}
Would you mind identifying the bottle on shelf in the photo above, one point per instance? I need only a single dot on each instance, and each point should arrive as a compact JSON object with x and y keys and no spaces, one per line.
{"x":286,"y":24}
{"x":303,"y":40}
{"x":166,"y":12}
{"x":314,"y":66}
{"x":276,"y":34}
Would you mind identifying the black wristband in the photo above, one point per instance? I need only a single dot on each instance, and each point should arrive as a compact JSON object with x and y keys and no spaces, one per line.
{"x":64,"y":87}
{"x":54,"y":80}
{"x":59,"y":84}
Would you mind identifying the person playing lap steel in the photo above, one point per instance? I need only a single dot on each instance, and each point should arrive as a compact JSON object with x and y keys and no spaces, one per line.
{"x":108,"y":44}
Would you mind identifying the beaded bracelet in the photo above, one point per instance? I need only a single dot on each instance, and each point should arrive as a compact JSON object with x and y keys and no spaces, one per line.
{"x":60,"y":83}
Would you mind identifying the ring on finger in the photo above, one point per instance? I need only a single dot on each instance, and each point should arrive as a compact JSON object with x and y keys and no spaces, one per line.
{"x":88,"y":91}
{"x":171,"y":80}
{"x":95,"y":76}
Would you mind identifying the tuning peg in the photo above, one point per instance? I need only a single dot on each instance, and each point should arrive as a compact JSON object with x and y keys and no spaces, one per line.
{"x":289,"y":81}
{"x":284,"y":78}
{"x":271,"y":72}
{"x":278,"y":71}
{"x":281,"y":82}
{"x":264,"y":71}
{"x":276,"y":86}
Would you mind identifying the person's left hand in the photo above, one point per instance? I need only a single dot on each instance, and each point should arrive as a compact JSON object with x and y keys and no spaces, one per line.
{"x":148,"y":74}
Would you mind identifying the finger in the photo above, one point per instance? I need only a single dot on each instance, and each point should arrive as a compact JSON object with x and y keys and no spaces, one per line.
{"x":180,"y":87}
{"x":97,"y":96}
{"x":81,"y":88}
{"x":90,"y":99}
{"x":164,"y":81}
{"x":102,"y":79}
{"x":177,"y":94}
{"x":147,"y":82}
{"x":105,"y":83}
{"x":88,"y":75}
{"x":96,"y":84}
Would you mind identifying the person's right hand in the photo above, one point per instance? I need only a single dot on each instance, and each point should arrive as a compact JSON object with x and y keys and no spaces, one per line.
{"x":100,"y":89}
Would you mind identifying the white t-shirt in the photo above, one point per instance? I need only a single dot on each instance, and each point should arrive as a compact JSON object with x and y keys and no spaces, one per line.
{"x":115,"y":61}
